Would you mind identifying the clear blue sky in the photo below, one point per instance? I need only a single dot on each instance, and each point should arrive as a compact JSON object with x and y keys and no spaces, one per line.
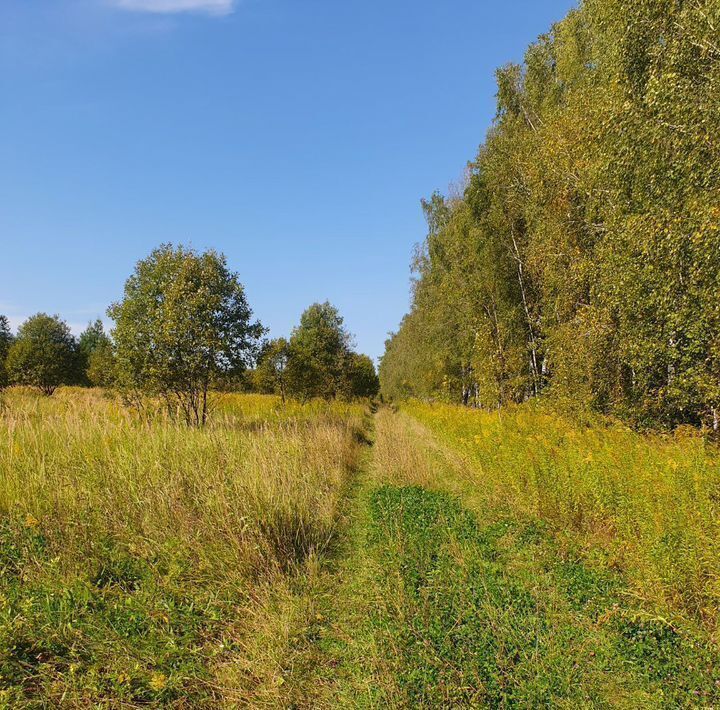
{"x":295,"y":136}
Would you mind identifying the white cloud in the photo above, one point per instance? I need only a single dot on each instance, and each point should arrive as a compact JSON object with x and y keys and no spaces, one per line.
{"x":209,"y":7}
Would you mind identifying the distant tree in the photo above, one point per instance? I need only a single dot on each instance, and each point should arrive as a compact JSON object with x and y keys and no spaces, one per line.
{"x":92,"y":339}
{"x":6,"y":339}
{"x":183,"y":323}
{"x":319,"y":351}
{"x":241,"y":380}
{"x":270,"y":375}
{"x":100,"y":370}
{"x":43,"y":355}
{"x":362,"y":379}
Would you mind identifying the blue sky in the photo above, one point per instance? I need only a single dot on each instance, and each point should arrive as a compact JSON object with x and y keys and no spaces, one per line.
{"x":296,"y":137}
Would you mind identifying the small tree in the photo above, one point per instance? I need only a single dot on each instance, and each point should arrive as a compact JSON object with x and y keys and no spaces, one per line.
{"x":100,"y":371}
{"x":92,"y":339}
{"x":44,"y":354}
{"x":271,"y":372}
{"x":362,"y":380}
{"x":183,"y":322}
{"x":319,"y":349}
{"x":6,"y":340}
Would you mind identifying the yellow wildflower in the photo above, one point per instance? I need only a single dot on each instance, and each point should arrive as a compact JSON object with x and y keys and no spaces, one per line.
{"x":158,"y":681}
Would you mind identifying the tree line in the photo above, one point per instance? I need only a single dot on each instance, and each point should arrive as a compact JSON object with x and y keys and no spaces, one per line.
{"x":582,"y":256}
{"x":182,"y":329}
{"x":45,"y":354}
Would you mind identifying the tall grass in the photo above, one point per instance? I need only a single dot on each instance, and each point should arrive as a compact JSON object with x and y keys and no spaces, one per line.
{"x":648,"y":505}
{"x":167,"y":520}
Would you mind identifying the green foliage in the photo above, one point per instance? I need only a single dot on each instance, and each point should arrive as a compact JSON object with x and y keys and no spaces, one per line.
{"x":584,"y":250}
{"x":362,"y":380}
{"x":92,"y":337}
{"x":270,"y":376}
{"x":95,"y":351}
{"x":100,"y":371}
{"x":319,"y":348}
{"x":317,"y":361}
{"x":6,"y":339}
{"x":44,"y":354}
{"x":183,"y":322}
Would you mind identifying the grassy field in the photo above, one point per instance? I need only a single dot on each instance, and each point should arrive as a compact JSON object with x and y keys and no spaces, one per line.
{"x":449,"y":594}
{"x":648,"y":506}
{"x":139,"y":558}
{"x":310,"y":556}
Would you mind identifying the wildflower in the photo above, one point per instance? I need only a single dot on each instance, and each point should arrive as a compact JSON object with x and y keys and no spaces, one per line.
{"x":123,"y":678}
{"x":158,"y":681}
{"x":31,"y":521}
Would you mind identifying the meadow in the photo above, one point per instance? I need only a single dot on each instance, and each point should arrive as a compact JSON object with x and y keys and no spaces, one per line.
{"x":318,"y":555}
{"x":647,"y":505}
{"x":137,"y":555}
{"x":490,"y":565}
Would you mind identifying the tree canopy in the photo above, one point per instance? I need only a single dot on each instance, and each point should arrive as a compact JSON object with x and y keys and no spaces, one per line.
{"x":582,"y":257}
{"x":270,"y":375}
{"x":319,"y":349}
{"x":96,"y":357}
{"x":317,"y":361}
{"x":6,"y":339}
{"x":183,"y":321}
{"x":44,"y":354}
{"x":92,"y":337}
{"x":362,"y":379}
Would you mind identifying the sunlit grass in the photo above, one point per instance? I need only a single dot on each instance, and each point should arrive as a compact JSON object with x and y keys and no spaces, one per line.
{"x":131,"y":544}
{"x":454,"y":596}
{"x":648,"y":505}
{"x":142,"y":561}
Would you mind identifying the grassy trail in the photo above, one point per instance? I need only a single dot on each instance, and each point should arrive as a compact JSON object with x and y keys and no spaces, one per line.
{"x":435,"y":598}
{"x":307,"y":556}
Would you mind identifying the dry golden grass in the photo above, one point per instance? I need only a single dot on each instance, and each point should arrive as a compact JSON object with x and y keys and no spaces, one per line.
{"x":257,"y":478}
{"x":403,"y":453}
{"x":650,"y":505}
{"x":122,"y":505}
